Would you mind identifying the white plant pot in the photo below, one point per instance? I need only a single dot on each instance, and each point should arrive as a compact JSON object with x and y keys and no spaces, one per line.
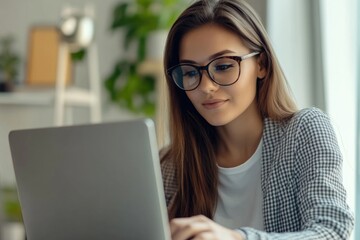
{"x":13,"y":231}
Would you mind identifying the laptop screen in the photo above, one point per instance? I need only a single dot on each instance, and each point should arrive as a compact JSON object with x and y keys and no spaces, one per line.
{"x":97,"y":181}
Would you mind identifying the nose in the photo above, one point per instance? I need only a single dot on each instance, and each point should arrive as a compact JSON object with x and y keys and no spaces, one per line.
{"x":207,"y":85}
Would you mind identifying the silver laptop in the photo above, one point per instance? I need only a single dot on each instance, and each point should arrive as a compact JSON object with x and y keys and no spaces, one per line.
{"x":97,"y":181}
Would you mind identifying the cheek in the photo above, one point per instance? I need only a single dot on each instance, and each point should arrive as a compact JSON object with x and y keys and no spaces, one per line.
{"x":245,"y":84}
{"x":248,"y":81}
{"x":194,"y":99}
{"x":243,"y":91}
{"x":191,"y":96}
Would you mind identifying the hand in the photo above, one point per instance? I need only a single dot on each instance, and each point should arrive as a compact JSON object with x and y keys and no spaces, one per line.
{"x":200,"y":227}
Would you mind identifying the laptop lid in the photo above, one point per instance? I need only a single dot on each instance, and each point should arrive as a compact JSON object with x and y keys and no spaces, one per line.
{"x":97,"y":181}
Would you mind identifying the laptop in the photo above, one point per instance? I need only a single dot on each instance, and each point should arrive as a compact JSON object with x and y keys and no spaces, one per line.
{"x":95,"y":181}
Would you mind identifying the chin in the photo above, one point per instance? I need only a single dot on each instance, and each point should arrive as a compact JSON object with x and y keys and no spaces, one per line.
{"x":217,"y":122}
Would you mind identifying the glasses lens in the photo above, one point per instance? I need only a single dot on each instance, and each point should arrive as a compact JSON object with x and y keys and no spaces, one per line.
{"x":224,"y":71}
{"x":186,"y":77}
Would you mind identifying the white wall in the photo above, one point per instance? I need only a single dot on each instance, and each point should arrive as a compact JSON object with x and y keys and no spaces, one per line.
{"x":339,"y":20}
{"x":16,"y":18}
{"x":288,"y":28}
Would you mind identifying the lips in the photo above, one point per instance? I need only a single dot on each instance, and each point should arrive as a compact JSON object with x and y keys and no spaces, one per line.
{"x":213,"y":103}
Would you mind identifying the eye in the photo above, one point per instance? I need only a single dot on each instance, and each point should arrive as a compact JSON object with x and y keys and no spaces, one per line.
{"x":190,"y":73}
{"x":223,"y":67}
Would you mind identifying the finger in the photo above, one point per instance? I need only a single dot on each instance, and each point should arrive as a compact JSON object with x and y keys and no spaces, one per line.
{"x":187,"y":228}
{"x":177,"y":223}
{"x":190,"y":231}
{"x":204,"y":236}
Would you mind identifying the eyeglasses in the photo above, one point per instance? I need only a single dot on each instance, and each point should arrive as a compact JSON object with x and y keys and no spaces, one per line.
{"x":224,"y":71}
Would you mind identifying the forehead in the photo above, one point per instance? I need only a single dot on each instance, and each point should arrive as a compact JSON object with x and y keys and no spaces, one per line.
{"x":201,"y":43}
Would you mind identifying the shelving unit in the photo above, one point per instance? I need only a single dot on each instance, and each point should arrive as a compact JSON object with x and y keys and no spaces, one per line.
{"x":72,"y":96}
{"x":31,"y":96}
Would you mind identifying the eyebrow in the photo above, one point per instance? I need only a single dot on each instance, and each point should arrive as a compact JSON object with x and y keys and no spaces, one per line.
{"x":215,"y":55}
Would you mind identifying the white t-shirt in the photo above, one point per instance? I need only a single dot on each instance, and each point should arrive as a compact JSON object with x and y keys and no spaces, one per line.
{"x":240,"y":199}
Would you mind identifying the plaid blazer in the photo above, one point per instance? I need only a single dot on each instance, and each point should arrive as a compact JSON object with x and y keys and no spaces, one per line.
{"x":301,"y":180}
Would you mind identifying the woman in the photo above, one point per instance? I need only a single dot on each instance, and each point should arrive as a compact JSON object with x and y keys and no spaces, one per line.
{"x":243,"y":162}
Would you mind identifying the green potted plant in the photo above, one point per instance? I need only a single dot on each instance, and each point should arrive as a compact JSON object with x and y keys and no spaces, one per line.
{"x":11,"y":205}
{"x":138,"y":19}
{"x":11,"y":220}
{"x":9,"y":62}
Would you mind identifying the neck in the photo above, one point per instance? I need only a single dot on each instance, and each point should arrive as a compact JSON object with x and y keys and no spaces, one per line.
{"x":240,"y":138}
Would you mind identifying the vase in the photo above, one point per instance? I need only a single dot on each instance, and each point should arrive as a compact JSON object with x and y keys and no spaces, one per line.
{"x":13,"y":231}
{"x":5,"y":86}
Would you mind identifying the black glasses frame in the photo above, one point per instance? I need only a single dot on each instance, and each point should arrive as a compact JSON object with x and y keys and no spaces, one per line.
{"x":199,"y":69}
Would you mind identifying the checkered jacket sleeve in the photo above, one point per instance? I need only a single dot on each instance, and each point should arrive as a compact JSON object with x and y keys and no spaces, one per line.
{"x":301,"y":178}
{"x":169,"y":178}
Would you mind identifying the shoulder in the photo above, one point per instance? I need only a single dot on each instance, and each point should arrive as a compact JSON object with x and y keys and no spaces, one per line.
{"x":314,"y":140}
{"x":309,"y":115}
{"x":311,"y":123}
{"x":307,"y":134}
{"x":305,"y":121}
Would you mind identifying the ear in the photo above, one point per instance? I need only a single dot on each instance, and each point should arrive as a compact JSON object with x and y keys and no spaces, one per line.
{"x":262,"y":66}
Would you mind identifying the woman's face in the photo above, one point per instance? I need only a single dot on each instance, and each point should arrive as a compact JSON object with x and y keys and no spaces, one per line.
{"x":220,"y":105}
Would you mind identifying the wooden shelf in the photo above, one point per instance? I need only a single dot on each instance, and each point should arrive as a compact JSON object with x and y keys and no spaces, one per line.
{"x":45,"y":96}
{"x":34,"y":96}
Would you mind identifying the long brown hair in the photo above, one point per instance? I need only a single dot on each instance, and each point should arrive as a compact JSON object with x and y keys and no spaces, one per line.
{"x":193,"y":141}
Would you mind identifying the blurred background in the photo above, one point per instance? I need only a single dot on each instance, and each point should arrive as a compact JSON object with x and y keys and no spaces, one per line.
{"x":75,"y":62}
